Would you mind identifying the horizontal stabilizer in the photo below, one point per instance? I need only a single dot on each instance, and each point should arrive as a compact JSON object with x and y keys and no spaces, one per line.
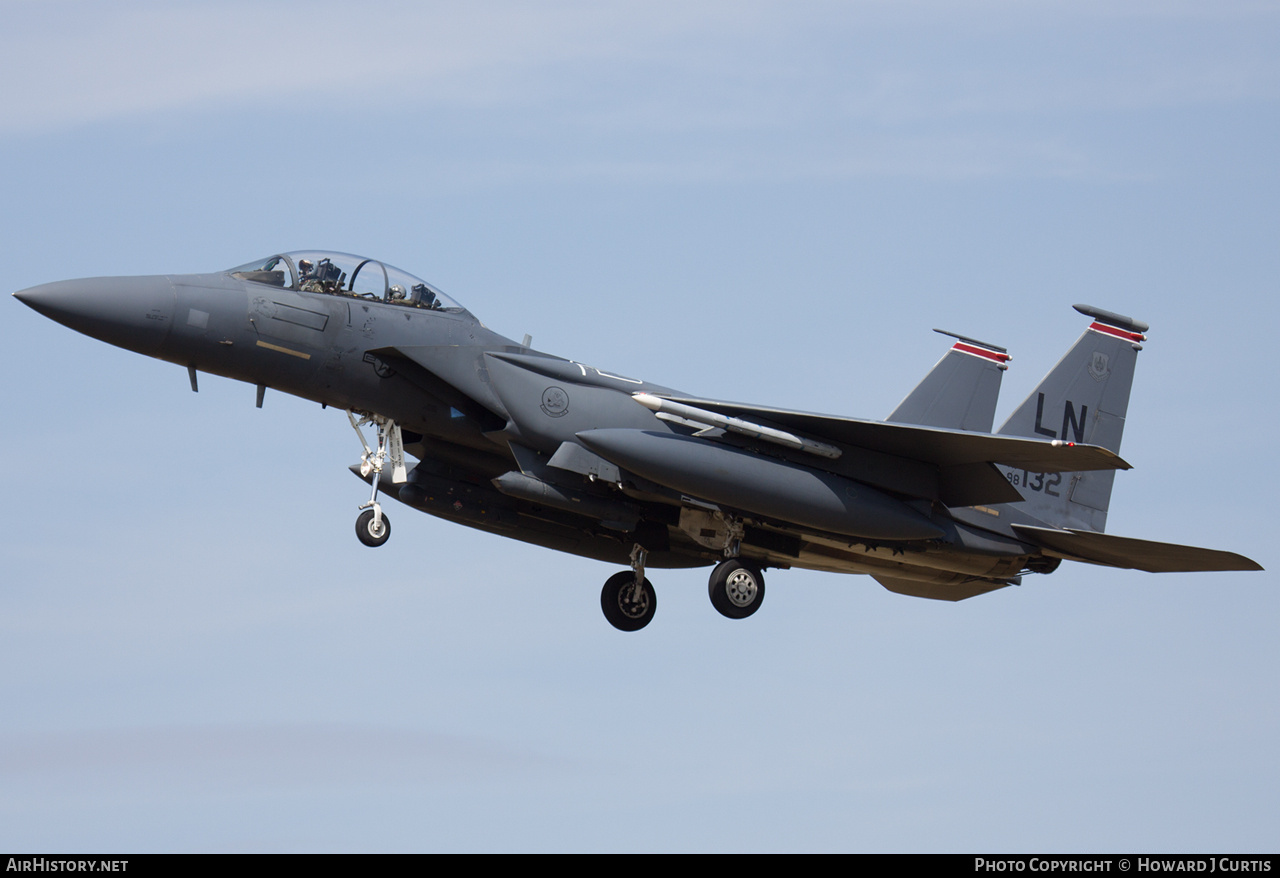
{"x":1113,"y":551}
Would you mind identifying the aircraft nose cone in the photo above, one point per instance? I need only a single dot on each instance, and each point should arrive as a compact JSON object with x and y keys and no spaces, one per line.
{"x":130,"y":312}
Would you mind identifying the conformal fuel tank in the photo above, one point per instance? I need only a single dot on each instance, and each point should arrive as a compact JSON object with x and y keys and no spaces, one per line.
{"x":764,"y":485}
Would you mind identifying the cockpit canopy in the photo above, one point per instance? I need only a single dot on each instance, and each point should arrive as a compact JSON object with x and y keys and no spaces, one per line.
{"x":343,"y":274}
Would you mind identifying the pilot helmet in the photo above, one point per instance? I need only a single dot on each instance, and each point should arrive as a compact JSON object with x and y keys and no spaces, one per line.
{"x":397,"y":292}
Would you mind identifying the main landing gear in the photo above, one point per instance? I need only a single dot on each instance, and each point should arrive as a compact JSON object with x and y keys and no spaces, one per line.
{"x":628,"y":598}
{"x":736,"y":588}
{"x":373,"y":528}
{"x":629,"y":601}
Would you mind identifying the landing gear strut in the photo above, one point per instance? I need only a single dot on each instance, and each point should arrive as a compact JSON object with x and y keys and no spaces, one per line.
{"x":373,"y":527}
{"x":736,"y":588}
{"x":628,"y":599}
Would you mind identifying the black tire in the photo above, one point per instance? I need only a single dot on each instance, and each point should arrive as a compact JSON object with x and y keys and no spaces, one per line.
{"x":736,"y":588}
{"x":624,"y":610}
{"x":365,"y":531}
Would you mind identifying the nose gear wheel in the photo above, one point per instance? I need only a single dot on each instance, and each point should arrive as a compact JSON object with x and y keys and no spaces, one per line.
{"x":373,"y":530}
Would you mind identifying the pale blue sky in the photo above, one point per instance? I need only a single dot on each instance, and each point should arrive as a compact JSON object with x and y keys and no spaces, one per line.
{"x":768,"y":202}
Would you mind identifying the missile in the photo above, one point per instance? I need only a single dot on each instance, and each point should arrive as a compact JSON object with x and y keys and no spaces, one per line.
{"x":735,"y":425}
{"x":766,"y":486}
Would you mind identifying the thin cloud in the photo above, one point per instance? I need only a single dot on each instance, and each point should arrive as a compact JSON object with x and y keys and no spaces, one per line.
{"x":695,"y":64}
{"x":73,"y":63}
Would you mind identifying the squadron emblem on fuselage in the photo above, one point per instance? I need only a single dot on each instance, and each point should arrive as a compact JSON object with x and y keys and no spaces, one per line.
{"x":555,"y":402}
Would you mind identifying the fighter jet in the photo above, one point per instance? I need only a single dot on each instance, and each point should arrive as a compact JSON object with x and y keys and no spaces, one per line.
{"x":554,"y":452}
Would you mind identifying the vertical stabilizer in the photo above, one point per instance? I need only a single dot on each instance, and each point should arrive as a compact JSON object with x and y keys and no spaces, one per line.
{"x":961,"y":391}
{"x":1083,"y":399}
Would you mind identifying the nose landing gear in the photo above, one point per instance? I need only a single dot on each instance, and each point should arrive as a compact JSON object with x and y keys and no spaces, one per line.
{"x":373,"y":528}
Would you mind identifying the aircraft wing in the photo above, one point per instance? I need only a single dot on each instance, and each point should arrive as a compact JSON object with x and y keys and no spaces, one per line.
{"x":943,"y":448}
{"x":1112,"y":551}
